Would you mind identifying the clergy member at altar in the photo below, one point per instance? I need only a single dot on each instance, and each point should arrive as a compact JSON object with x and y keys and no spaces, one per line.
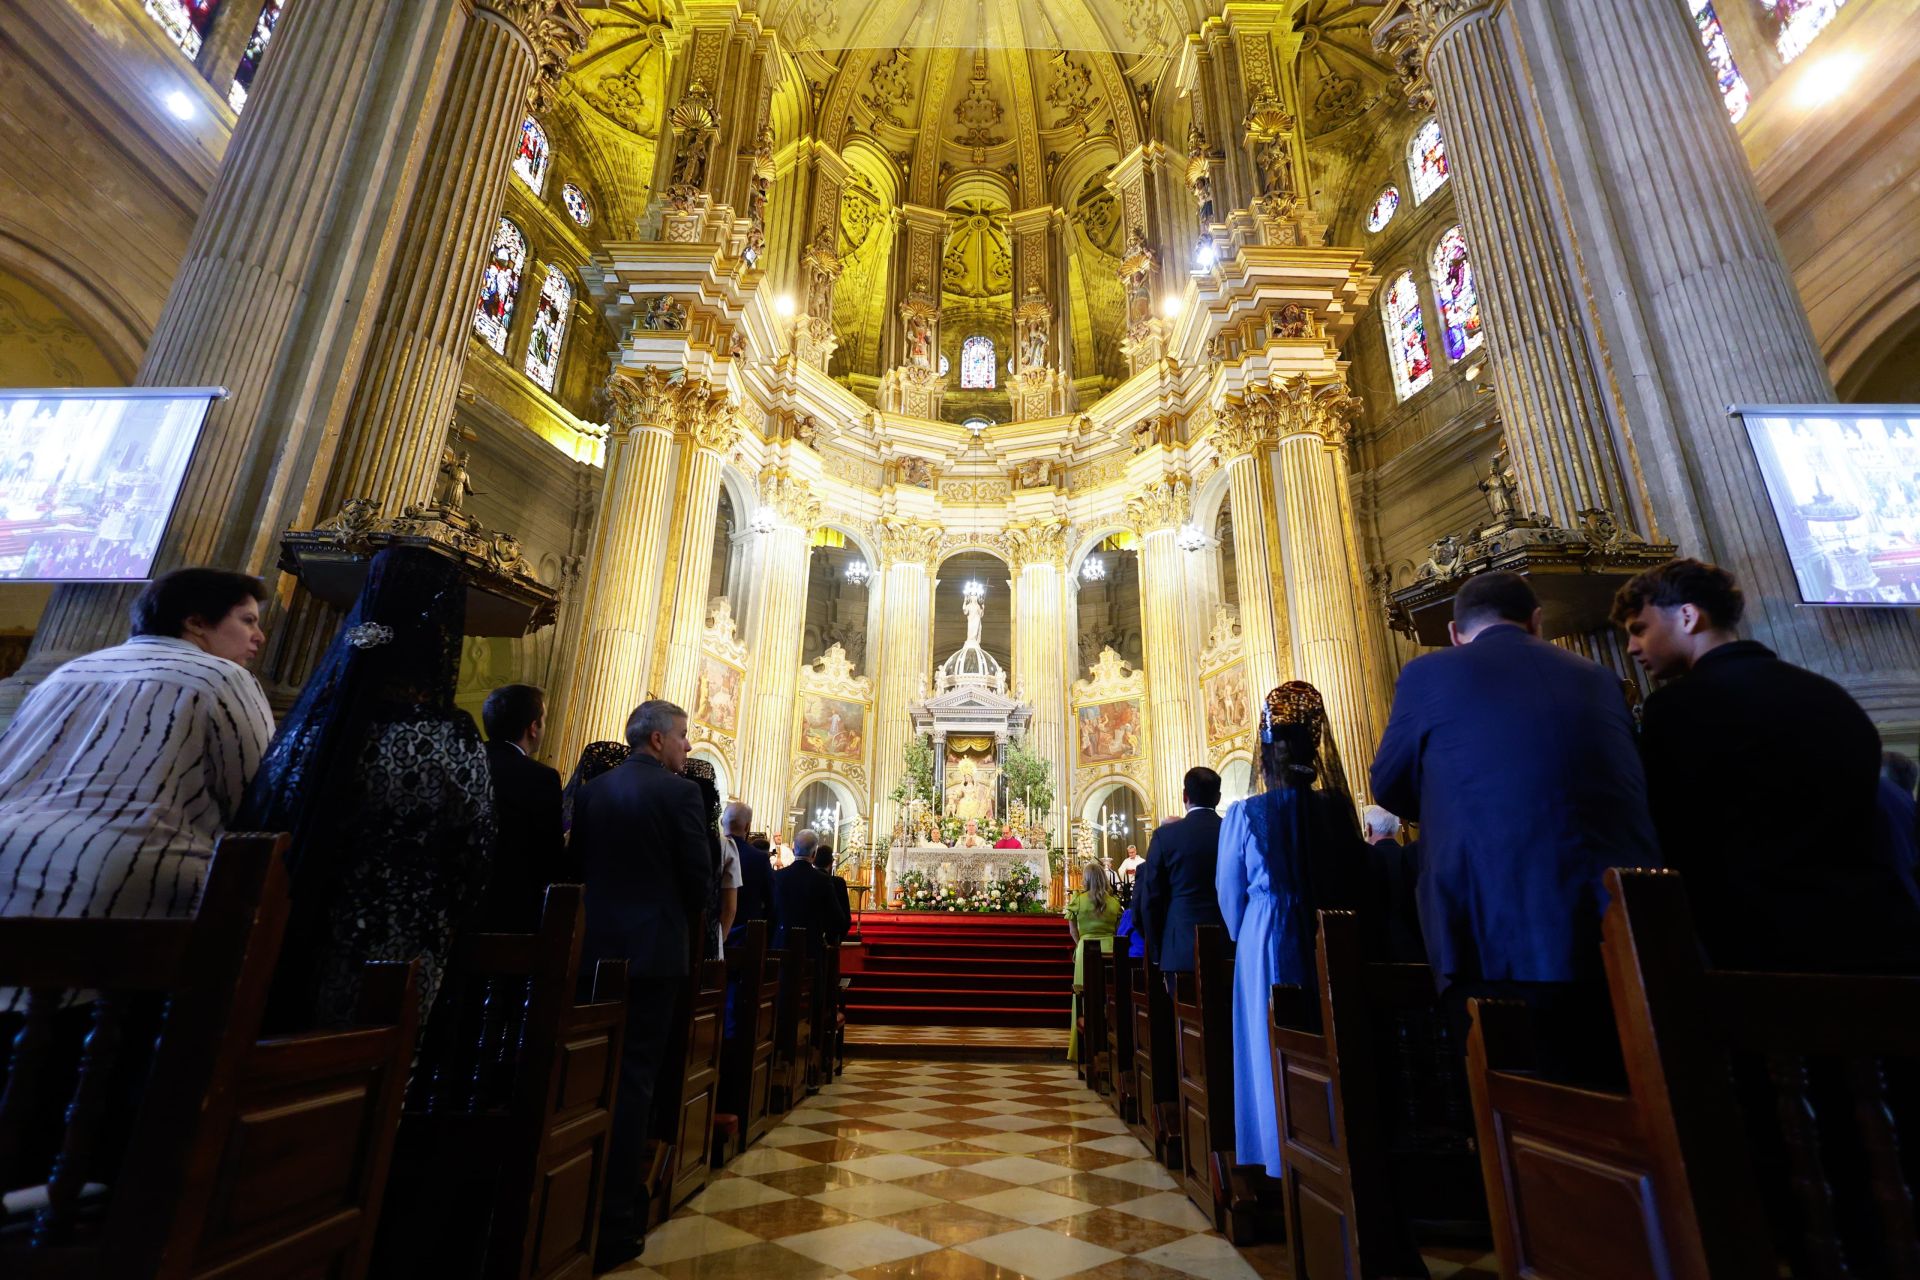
{"x":1285,"y":854}
{"x":970,"y":837}
{"x":1131,"y":864}
{"x":1008,"y":841}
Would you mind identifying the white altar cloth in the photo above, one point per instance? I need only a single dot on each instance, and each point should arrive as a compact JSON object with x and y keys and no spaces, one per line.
{"x":944,"y":865}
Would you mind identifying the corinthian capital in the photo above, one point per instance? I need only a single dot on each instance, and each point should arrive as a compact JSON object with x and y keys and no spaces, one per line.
{"x":1164,"y":505}
{"x":791,"y":497}
{"x":1238,"y":430}
{"x":1326,"y":409}
{"x":1042,"y":542}
{"x":555,"y":31}
{"x":905,"y":542}
{"x":636,"y":400}
{"x":1405,"y":30}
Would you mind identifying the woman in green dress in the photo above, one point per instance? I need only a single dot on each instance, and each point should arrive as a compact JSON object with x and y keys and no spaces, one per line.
{"x":1094,"y":912}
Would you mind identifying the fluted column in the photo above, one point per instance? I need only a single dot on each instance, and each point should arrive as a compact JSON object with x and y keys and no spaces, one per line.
{"x":909,"y":554}
{"x":269,"y":299}
{"x":1323,"y":602}
{"x":1246,"y":451}
{"x":1041,"y":665}
{"x":1172,"y":659}
{"x":776,"y":619}
{"x":397,"y":426}
{"x":709,"y":437}
{"x":620,"y":593}
{"x":1544,"y":366}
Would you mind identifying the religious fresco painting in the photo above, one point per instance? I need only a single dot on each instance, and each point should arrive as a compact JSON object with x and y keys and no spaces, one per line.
{"x":1224,"y":695}
{"x":833,"y":727}
{"x":717,"y":704}
{"x":1109,"y":731}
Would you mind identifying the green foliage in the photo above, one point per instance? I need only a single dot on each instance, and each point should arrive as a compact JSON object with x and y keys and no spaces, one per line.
{"x":916,"y":772}
{"x":1019,"y":892}
{"x":1029,"y":778}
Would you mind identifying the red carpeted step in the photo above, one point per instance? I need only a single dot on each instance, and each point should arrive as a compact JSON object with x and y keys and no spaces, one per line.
{"x":943,"y":969}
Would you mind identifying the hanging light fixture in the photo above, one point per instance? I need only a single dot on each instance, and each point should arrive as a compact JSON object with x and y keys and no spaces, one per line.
{"x":858,"y":571}
{"x":1093,"y":569}
{"x":974,"y":590}
{"x":1190,"y":538}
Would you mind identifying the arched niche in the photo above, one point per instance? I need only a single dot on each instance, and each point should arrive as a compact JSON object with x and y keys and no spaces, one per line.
{"x":839,"y":597}
{"x":1106,"y":607}
{"x":949,"y":621}
{"x":1122,"y":799}
{"x":817,"y":793}
{"x":1236,"y":778}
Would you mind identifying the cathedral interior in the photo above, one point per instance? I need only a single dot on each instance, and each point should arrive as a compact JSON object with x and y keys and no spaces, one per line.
{"x":1202,"y":342}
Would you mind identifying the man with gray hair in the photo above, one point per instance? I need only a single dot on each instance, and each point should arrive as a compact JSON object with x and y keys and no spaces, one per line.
{"x":754,"y":900}
{"x":804,"y":844}
{"x":640,"y":831}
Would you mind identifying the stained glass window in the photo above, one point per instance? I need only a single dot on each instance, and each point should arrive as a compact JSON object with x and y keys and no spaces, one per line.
{"x":500,"y":286}
{"x":1406,"y":336}
{"x":1385,"y":205}
{"x":976,"y":362}
{"x":1459,"y":298}
{"x":530,"y":162}
{"x":1733,"y":86}
{"x":256,"y":50}
{"x":184,"y":21}
{"x":1427,"y":161}
{"x":549,"y":327}
{"x":1799,"y":20}
{"x":578,"y":208}
{"x":945,"y":364}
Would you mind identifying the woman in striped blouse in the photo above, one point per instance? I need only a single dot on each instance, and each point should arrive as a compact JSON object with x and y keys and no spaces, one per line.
{"x":122,"y":766}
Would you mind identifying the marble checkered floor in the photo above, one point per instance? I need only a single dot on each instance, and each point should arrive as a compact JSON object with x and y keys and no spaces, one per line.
{"x":954,"y":1171}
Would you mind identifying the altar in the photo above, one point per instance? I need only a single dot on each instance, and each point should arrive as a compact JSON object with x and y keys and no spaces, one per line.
{"x":964,"y":869}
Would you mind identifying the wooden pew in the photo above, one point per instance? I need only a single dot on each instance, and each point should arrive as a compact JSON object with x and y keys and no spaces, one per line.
{"x":827,"y":1032}
{"x":1155,"y":1074}
{"x":687,"y":1095}
{"x":1091,"y":1014}
{"x":746,"y":1059}
{"x":1664,"y":1177}
{"x":247,"y":1158}
{"x":1231,"y":1194}
{"x":1347,"y":1213}
{"x":793,"y":1043}
{"x":1119,"y":1021}
{"x":503,"y":1146}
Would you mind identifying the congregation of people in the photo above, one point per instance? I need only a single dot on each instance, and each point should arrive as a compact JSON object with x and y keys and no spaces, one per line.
{"x":121,"y":770}
{"x":1512,"y":774}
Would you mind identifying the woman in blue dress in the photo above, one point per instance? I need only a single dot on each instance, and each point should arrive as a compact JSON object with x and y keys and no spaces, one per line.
{"x":1286,"y":853}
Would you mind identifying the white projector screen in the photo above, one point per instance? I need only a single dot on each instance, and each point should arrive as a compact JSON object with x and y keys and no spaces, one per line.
{"x":89,"y":478}
{"x":1844,"y":482}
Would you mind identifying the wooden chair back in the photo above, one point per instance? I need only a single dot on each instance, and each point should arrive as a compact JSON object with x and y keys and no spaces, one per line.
{"x":1203,"y":1039}
{"x":766,"y":1038}
{"x":744,"y":1077}
{"x":1344,"y":1219}
{"x":1119,"y":1020}
{"x":826,"y":1016}
{"x":1155,"y":1075}
{"x":1761,"y":1124}
{"x":793,"y":1045}
{"x":689,"y":1084}
{"x":246,"y":1158}
{"x":1091,"y":1014}
{"x":504,"y":1143}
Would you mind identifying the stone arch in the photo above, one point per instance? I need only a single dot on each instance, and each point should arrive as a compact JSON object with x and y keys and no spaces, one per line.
{"x":107,"y":337}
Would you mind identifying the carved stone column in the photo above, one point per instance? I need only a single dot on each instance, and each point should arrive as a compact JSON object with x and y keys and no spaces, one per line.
{"x":1042,"y":663}
{"x":707,"y":437}
{"x":910,"y":553}
{"x":1323,"y":600}
{"x":620,"y":599}
{"x":1172,"y":657}
{"x":272,"y":297}
{"x":1244,"y":441}
{"x":510,"y":54}
{"x":776,"y":622}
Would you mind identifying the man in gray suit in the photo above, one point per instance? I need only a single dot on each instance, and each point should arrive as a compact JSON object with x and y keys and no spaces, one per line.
{"x":640,"y":830}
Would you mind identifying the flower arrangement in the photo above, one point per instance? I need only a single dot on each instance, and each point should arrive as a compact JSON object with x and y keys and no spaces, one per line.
{"x":1019,"y":892}
{"x":951,"y":829}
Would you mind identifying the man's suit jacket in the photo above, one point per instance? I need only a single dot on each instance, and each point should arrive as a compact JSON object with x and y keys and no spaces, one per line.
{"x":529,"y":849}
{"x":803,"y":899}
{"x":1174,"y":892}
{"x":756,"y":885}
{"x":641,"y":833}
{"x":841,"y":908}
{"x":1764,"y":780}
{"x":1517,"y":760}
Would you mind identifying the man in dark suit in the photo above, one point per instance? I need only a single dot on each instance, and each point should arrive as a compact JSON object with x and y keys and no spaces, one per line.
{"x":1173,"y":892}
{"x":803,"y":896}
{"x":754,"y":900}
{"x":1517,"y":759}
{"x":836,"y":909}
{"x":1764,"y":781}
{"x":641,"y":831}
{"x":529,"y":851}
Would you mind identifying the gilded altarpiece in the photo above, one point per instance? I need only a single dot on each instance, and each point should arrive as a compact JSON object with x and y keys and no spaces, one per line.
{"x":1110,"y":741}
{"x":1226,"y":701}
{"x":716,"y":702}
{"x":831,"y":713}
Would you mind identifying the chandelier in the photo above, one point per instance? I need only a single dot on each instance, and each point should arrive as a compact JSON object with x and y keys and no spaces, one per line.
{"x":974,"y":590}
{"x":858,"y":571}
{"x":1190,"y":538}
{"x":1093,"y":569}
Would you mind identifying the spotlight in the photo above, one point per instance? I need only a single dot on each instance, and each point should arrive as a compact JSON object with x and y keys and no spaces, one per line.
{"x":179,"y":105}
{"x":1827,"y":79}
{"x":1206,"y":254}
{"x":1172,"y":306}
{"x":783,"y":305}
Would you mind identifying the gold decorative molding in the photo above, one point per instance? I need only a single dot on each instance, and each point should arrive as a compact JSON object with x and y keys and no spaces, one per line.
{"x":1165,"y":504}
{"x":1239,"y":430}
{"x":1039,"y":542}
{"x":1110,"y":677}
{"x":791,"y":497}
{"x":905,"y":542}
